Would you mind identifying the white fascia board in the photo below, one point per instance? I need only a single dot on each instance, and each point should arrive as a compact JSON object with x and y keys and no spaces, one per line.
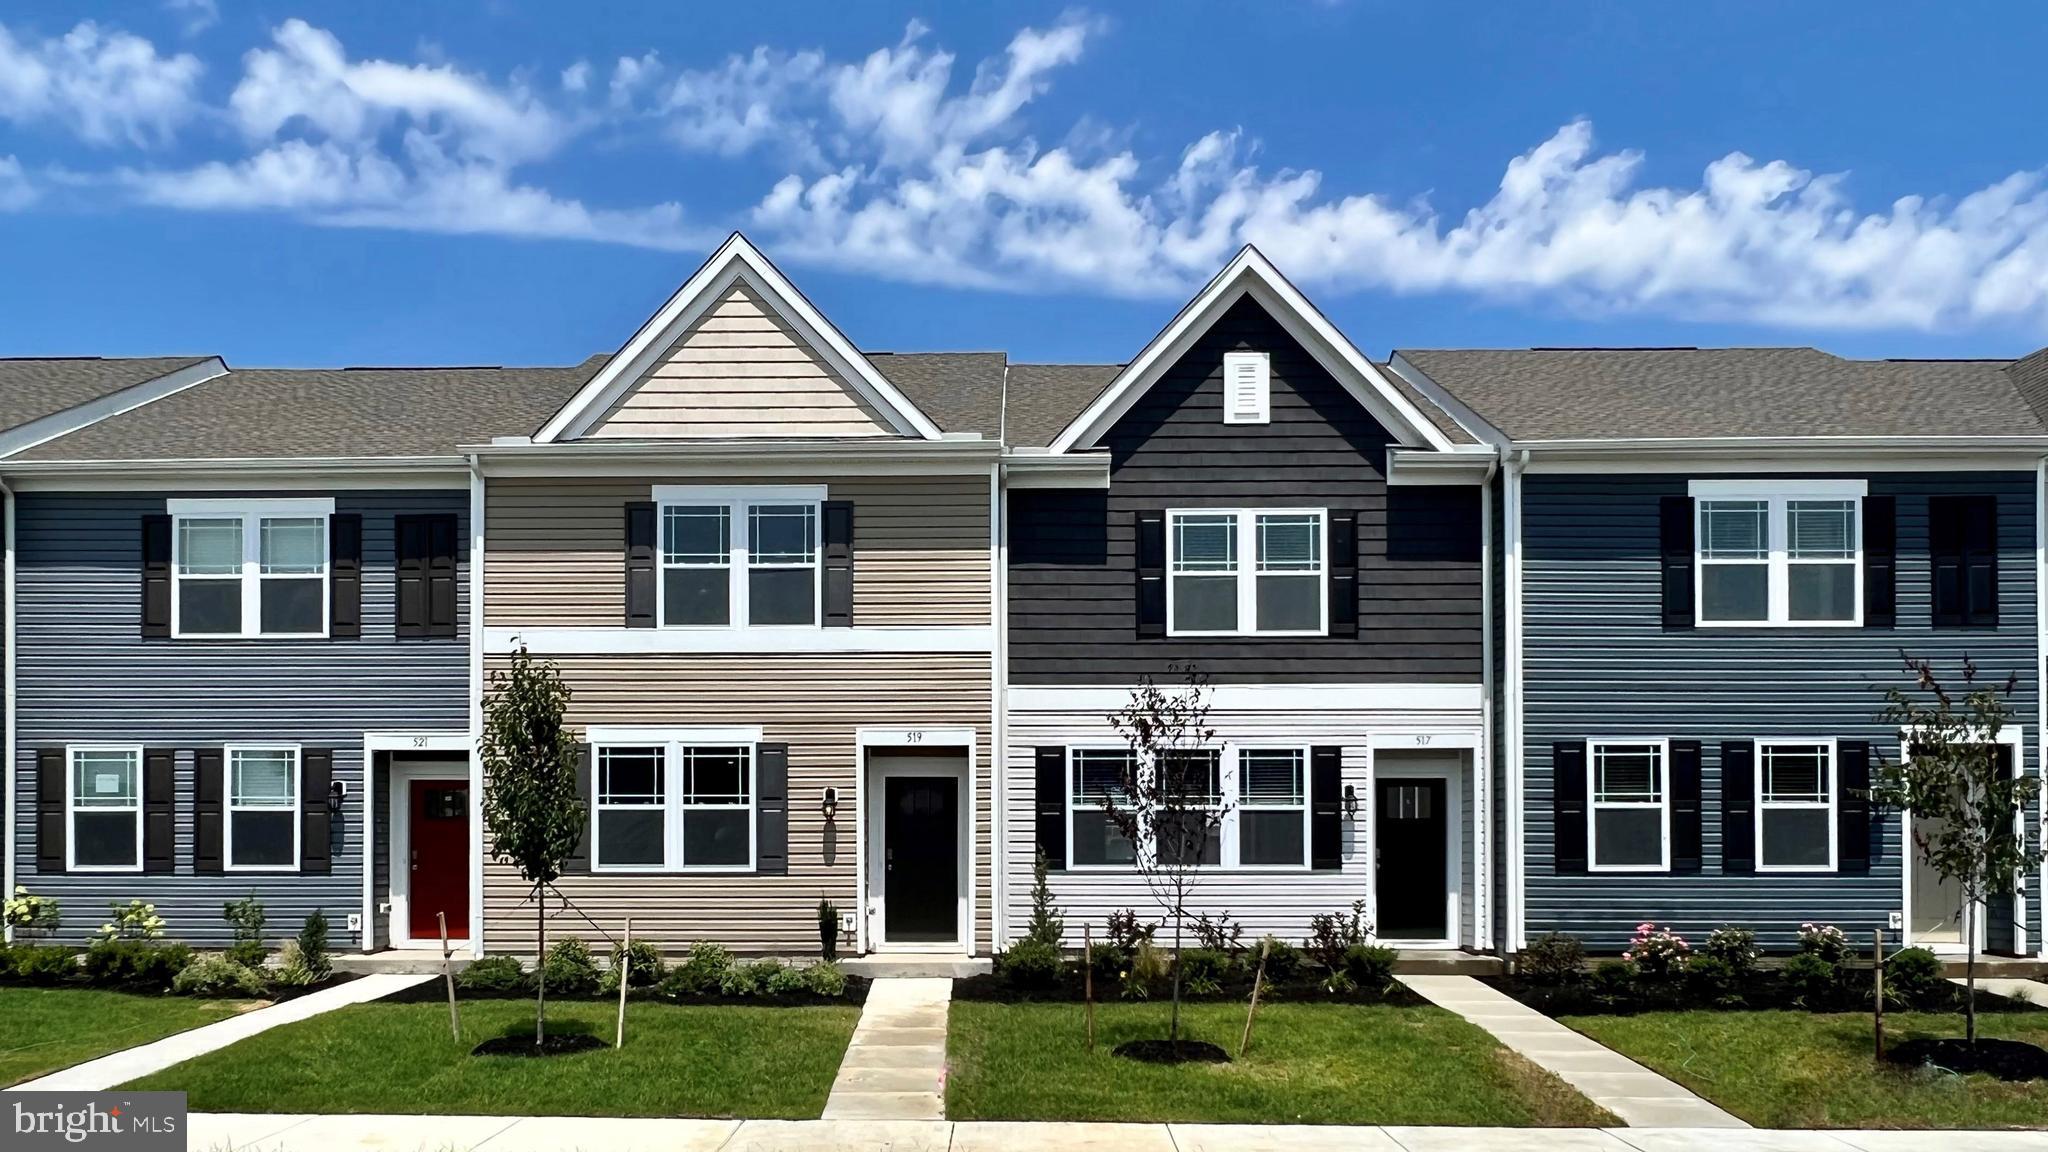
{"x":48,"y":428}
{"x":1250,"y":273}
{"x":555,"y":640}
{"x":1814,"y":454}
{"x":1088,"y":470}
{"x":1265,"y":698}
{"x":789,"y":458}
{"x":1471,"y":465}
{"x":673,"y":734}
{"x":736,"y":259}
{"x":434,"y":472}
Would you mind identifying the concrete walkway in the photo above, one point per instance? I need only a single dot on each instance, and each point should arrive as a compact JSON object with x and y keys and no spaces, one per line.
{"x":2032,"y":991}
{"x":895,"y":1066}
{"x":121,"y":1067}
{"x":223,"y":1133}
{"x":1640,"y":1097}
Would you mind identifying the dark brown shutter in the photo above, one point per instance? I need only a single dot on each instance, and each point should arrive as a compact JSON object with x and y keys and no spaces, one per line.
{"x":1880,"y":562}
{"x":345,"y":584}
{"x":1738,"y":807}
{"x":1151,"y":574}
{"x":586,"y":786}
{"x":1344,"y":574}
{"x":1568,"y":806}
{"x":443,"y":551}
{"x":1675,"y":547}
{"x":838,"y":538}
{"x":426,"y":575}
{"x":208,"y":810}
{"x":159,"y":810}
{"x":1962,"y":546}
{"x":1049,"y":803}
{"x":771,"y":809}
{"x":316,"y":824}
{"x":1852,"y":807}
{"x":1326,"y":807}
{"x":50,"y":819}
{"x":641,"y":526}
{"x":1980,"y":561}
{"x":1685,"y":806}
{"x":156,"y":576}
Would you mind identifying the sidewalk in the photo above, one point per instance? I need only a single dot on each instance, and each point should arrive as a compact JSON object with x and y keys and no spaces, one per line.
{"x":222,"y":1133}
{"x":895,"y":1065}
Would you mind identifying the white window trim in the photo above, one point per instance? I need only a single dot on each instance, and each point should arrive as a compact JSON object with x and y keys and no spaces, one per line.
{"x":1594,"y":805}
{"x":1775,"y":495}
{"x":739,"y":549}
{"x":229,"y":808}
{"x":1247,"y":574}
{"x":1228,"y":846}
{"x":673,"y":807}
{"x":1831,"y":807}
{"x":251,"y":513}
{"x":71,"y":808}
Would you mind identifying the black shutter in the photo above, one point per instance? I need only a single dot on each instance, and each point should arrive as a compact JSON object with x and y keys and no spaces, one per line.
{"x":1880,"y":562}
{"x":159,"y":810}
{"x":1326,"y":808}
{"x":156,"y":576}
{"x":2004,"y":908}
{"x":838,"y":538}
{"x":1945,"y":559}
{"x":426,"y":576}
{"x":1344,"y":574}
{"x":1568,"y":806}
{"x":443,"y":546}
{"x":771,"y":809}
{"x":345,"y":563}
{"x":316,"y":777}
{"x":1852,"y":807}
{"x":1685,"y":806}
{"x":1674,"y":534}
{"x":640,"y":533}
{"x":1980,"y":561}
{"x":50,"y":820}
{"x":1738,"y":807}
{"x":207,"y":810}
{"x":1049,"y":804}
{"x":1151,"y":574}
{"x":579,"y":858}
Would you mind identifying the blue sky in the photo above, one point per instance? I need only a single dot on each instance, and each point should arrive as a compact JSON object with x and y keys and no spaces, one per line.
{"x":385,"y":182}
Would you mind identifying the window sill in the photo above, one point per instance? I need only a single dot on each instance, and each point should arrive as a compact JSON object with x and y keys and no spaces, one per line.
{"x":1319,"y":634}
{"x":686,"y":870}
{"x":1638,"y":869}
{"x":271,"y":868}
{"x":202,"y":636}
{"x":1796,"y":869}
{"x":1775,"y":625}
{"x":102,"y":869}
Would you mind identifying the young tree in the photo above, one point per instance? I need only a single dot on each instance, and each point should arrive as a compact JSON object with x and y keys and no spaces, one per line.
{"x":1169,"y":800}
{"x":1966,"y":803}
{"x":1046,"y":926}
{"x":531,"y":806}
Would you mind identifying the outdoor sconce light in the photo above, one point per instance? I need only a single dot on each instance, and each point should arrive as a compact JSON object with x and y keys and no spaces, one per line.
{"x":336,"y":793}
{"x":1350,"y":802}
{"x":831,"y":805}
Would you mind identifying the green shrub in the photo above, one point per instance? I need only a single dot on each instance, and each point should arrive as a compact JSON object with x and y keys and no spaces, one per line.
{"x":1047,"y":926}
{"x":570,"y":969}
{"x":701,"y":973}
{"x":826,"y":980}
{"x":1709,"y":979}
{"x":1553,"y":958}
{"x":746,"y":980}
{"x":644,"y":970}
{"x":245,"y":918}
{"x":44,"y":964}
{"x":1825,"y":941}
{"x":1614,"y":981}
{"x":828,"y":930}
{"x":1370,"y":967}
{"x":1030,"y":963}
{"x":1283,"y":960}
{"x":313,"y":945}
{"x":135,"y":963}
{"x":1330,"y":933}
{"x":1735,"y":948}
{"x":1124,"y":930}
{"x":1149,"y":968}
{"x":134,"y":920}
{"x":492,"y":974}
{"x":1203,"y":970}
{"x":786,"y":981}
{"x":1810,"y":980}
{"x":1916,"y":978}
{"x":7,"y":959}
{"x":1108,"y":962}
{"x":218,"y":976}
{"x":27,"y":912}
{"x":291,"y":969}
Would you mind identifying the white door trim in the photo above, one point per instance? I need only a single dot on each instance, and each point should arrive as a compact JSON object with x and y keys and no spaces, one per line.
{"x":1452,"y":774}
{"x":2015,"y":737}
{"x":871,"y":924}
{"x":398,"y":794}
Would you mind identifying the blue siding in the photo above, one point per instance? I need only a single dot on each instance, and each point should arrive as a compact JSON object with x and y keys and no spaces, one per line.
{"x":85,"y":674}
{"x":1598,"y":662}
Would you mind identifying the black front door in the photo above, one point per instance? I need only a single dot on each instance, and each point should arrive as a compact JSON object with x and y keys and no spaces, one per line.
{"x":1409,"y":826}
{"x":921,"y":859}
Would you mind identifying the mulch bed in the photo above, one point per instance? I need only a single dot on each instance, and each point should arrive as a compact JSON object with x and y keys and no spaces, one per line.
{"x":435,"y":991}
{"x":1170,"y":1052}
{"x":991,"y":988}
{"x":1585,"y":997}
{"x":557,"y":1044}
{"x":2013,"y":1060}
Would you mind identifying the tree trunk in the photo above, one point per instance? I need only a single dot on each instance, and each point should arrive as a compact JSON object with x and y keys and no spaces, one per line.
{"x":540,"y":966}
{"x":1173,"y":1032}
{"x":1970,"y":972}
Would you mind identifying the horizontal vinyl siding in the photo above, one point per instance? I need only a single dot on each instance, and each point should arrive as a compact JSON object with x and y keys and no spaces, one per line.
{"x":815,"y":704}
{"x":556,"y":549}
{"x":85,"y":674}
{"x":1598,"y":662}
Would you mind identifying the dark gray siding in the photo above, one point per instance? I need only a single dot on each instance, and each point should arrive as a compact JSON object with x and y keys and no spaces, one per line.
{"x":85,"y":674}
{"x":1073,"y":580}
{"x":1598,"y":662}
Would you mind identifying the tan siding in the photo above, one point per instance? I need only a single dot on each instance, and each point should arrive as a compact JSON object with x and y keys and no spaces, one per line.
{"x":814,"y":704}
{"x":739,"y":372}
{"x":555,"y":549}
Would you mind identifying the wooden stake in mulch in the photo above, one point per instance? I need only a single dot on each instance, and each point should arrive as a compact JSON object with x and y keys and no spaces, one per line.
{"x":1258,"y":982}
{"x":625,"y":975}
{"x":1088,"y":980}
{"x":1877,"y":958}
{"x":448,"y":977}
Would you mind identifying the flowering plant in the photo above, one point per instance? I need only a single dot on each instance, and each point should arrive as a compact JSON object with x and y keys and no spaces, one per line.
{"x":1735,"y":947}
{"x":135,"y":921}
{"x":36,"y":913}
{"x":1656,"y":952}
{"x":1823,"y":940}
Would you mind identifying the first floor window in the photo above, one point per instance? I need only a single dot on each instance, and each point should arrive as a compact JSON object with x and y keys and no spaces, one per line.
{"x":1272,"y":807}
{"x":1264,"y":824}
{"x":664,"y":807}
{"x":1795,"y":810}
{"x":106,"y":808}
{"x":250,"y":568}
{"x":1093,"y":838}
{"x":718,"y":816}
{"x":263,"y":808}
{"x":1630,"y":812}
{"x":1190,"y":832}
{"x":1247,"y":573}
{"x":632,"y":821}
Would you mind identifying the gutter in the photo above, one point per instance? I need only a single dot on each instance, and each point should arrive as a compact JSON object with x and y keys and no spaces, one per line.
{"x":7,"y":590}
{"x":278,"y":464}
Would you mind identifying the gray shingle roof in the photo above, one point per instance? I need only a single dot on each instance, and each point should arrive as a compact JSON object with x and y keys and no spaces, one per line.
{"x":1045,"y":398}
{"x":1535,"y":394}
{"x":959,"y":391}
{"x":31,"y":389}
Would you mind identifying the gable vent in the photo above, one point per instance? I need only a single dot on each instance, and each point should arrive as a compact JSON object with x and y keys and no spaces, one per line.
{"x":1246,"y":380}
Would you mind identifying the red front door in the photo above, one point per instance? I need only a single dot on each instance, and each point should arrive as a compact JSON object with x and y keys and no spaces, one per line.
{"x":439,"y":878}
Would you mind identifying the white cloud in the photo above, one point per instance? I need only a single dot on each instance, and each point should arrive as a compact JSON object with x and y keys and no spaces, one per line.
{"x":199,"y":14}
{"x":576,"y":77}
{"x":103,"y":87}
{"x":16,"y":193}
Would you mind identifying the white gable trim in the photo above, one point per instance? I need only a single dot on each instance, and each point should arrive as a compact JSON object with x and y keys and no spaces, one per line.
{"x":47,"y":428}
{"x":1251,"y":274}
{"x":735,"y":260}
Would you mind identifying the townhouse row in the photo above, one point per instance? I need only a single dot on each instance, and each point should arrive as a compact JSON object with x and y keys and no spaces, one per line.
{"x":1500,"y":642}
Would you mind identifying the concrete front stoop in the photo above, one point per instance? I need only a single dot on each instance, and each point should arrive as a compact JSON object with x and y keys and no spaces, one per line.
{"x":895,"y":1065}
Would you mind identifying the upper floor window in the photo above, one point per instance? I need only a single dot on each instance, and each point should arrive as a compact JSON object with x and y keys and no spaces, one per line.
{"x":1247,"y":572}
{"x":1629,"y":820}
{"x":739,"y":557}
{"x":673,"y":805}
{"x":105,"y":809}
{"x":1795,"y":811}
{"x":250,"y":568}
{"x":1779,"y":553}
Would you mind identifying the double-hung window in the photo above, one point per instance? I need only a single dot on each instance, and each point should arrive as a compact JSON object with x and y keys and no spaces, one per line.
{"x":1247,"y":572}
{"x":1272,"y":807}
{"x":1234,"y":807}
{"x":673,"y":805}
{"x":105,"y":802}
{"x":1189,"y":833}
{"x":263,"y":809}
{"x":1629,"y":820}
{"x":250,"y":568}
{"x":1773,"y":552}
{"x":1795,"y":811}
{"x":739,"y":557}
{"x":1093,"y":839}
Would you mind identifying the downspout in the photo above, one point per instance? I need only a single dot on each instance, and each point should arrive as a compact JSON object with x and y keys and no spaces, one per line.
{"x":476,"y":706}
{"x":2040,"y":699}
{"x":1511,"y":496}
{"x":999,"y":662}
{"x":7,"y":590}
{"x":1482,"y":803}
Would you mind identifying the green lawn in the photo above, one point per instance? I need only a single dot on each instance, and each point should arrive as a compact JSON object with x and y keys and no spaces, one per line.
{"x":398,"y":1058}
{"x":1309,"y":1064}
{"x":1795,"y":1070}
{"x":44,"y":1029}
